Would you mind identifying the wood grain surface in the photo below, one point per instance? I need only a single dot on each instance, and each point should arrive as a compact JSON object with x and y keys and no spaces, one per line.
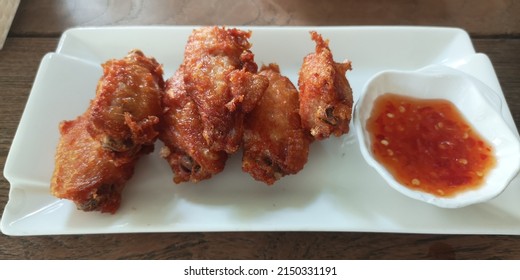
{"x":495,"y":30}
{"x":478,"y":17}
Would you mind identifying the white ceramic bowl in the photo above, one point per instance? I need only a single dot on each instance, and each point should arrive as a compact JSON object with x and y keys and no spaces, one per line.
{"x":479,"y":104}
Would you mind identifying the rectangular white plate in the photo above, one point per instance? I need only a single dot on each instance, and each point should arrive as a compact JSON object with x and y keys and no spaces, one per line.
{"x":336,"y":191}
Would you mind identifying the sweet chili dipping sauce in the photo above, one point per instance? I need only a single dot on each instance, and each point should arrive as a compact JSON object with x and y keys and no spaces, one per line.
{"x":427,"y":145}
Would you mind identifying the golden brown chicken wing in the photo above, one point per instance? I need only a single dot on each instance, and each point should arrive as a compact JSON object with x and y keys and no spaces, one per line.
{"x":275,"y":144}
{"x":85,"y":172}
{"x":219,"y":74}
{"x":325,"y":94}
{"x":125,"y":112}
{"x":186,"y":150}
{"x":98,"y":150}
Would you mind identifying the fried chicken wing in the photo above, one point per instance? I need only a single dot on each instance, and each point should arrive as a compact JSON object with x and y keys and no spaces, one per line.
{"x":186,"y":150}
{"x":97,"y":151}
{"x":325,"y":94}
{"x":275,"y":143}
{"x":125,"y":112}
{"x":85,"y":172}
{"x":219,"y":74}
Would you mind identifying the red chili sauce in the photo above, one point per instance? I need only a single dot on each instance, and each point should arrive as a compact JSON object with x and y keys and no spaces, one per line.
{"x":427,"y":145}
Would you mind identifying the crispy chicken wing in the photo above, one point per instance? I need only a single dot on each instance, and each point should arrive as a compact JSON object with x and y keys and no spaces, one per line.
{"x":325,"y":94}
{"x":219,"y":74}
{"x":186,"y":150}
{"x":125,"y":112}
{"x":85,"y":172}
{"x":275,"y":143}
{"x":97,"y":151}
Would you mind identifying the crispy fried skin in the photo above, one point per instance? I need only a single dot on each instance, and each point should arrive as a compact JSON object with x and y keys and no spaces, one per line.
{"x":97,"y":151}
{"x":125,"y":112}
{"x":85,"y":172}
{"x":275,"y":144}
{"x":186,"y":150}
{"x":325,"y":94}
{"x":219,"y":74}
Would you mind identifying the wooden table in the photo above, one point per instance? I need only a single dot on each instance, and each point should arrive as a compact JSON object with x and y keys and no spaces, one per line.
{"x":493,"y":25}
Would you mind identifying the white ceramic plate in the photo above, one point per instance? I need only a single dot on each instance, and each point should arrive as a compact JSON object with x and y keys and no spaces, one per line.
{"x":336,"y":191}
